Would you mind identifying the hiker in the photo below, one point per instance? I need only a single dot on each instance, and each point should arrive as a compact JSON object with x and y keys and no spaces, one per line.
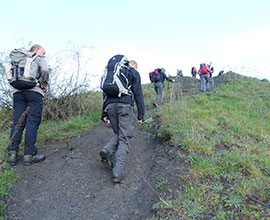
{"x":118,"y":112}
{"x":179,"y":73}
{"x":211,"y":75}
{"x":221,"y":72}
{"x":159,"y":85}
{"x":204,"y":76}
{"x":209,"y":67}
{"x":212,"y":70}
{"x":33,"y":98}
{"x":193,"y":71}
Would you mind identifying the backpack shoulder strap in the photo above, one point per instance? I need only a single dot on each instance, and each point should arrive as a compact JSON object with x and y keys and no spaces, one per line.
{"x":35,"y":57}
{"x":22,"y":50}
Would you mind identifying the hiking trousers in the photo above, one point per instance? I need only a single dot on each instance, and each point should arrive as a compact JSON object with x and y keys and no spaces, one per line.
{"x":205,"y":82}
{"x":159,"y":87}
{"x":122,"y":122}
{"x":31,"y":122}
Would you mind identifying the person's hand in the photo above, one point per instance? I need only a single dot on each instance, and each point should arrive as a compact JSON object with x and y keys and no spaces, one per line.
{"x":45,"y":89}
{"x":173,"y":80}
{"x":106,"y":120}
{"x":140,"y":122}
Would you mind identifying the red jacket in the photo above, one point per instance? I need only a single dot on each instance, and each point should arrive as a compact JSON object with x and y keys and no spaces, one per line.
{"x":208,"y":71}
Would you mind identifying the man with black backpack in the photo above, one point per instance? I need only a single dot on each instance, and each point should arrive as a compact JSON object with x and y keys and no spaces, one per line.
{"x":121,"y":85}
{"x":28,"y":73}
{"x":159,"y":85}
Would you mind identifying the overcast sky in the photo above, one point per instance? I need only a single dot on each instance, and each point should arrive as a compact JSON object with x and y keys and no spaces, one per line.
{"x":174,"y":34}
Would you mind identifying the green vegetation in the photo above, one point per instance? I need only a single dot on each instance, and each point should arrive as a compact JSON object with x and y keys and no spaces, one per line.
{"x":224,"y":139}
{"x":161,"y":185}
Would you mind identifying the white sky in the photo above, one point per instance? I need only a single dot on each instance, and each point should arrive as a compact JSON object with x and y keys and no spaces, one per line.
{"x":174,"y":34}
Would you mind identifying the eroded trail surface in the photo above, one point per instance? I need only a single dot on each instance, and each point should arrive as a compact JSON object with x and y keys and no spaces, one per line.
{"x":72,"y":183}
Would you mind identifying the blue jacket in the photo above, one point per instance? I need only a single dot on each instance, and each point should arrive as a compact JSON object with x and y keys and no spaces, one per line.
{"x":136,"y":89}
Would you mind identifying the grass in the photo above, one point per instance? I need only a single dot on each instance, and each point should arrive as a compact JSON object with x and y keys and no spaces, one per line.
{"x":225,"y":138}
{"x":56,"y":130}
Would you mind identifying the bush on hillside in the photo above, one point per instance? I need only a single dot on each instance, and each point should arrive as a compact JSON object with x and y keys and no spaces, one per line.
{"x":70,"y":91}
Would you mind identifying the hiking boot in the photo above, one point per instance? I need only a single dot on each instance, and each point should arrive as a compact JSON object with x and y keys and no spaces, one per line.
{"x":116,"y":179}
{"x":106,"y":159}
{"x":30,"y":159}
{"x":155,"y":104}
{"x":12,"y":158}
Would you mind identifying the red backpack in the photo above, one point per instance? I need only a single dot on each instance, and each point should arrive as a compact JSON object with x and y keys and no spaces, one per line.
{"x":204,"y":70}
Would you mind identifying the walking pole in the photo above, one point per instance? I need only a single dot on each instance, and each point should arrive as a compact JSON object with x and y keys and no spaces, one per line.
{"x":21,"y":120}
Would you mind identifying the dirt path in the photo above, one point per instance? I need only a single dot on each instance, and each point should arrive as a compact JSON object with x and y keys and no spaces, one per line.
{"x":72,"y":183}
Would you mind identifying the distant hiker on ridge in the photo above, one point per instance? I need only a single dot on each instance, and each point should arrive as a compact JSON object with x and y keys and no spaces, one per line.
{"x":211,"y":74}
{"x":212,"y":70}
{"x":30,"y":87}
{"x":158,"y":77}
{"x":118,"y":102}
{"x":221,"y":72}
{"x":193,"y":72}
{"x":208,"y":67}
{"x":179,"y":73}
{"x":204,"y":76}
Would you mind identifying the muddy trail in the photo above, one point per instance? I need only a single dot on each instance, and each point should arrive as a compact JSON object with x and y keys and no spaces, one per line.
{"x":72,"y":183}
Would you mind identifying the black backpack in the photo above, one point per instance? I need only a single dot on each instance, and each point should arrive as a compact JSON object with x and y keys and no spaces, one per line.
{"x":116,"y":78}
{"x":155,"y":76}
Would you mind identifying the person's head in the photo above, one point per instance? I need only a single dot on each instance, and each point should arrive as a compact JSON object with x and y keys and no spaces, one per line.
{"x":37,"y":49}
{"x":163,"y":70}
{"x":133,"y":64}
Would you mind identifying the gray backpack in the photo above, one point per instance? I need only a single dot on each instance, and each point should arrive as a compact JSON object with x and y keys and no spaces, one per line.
{"x":22,"y":71}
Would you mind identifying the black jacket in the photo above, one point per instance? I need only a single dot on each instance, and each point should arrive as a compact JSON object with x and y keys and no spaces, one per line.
{"x":136,"y":89}
{"x":163,"y":76}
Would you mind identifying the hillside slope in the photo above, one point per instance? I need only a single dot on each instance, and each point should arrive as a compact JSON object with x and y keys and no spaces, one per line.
{"x":223,"y":140}
{"x":211,"y":168}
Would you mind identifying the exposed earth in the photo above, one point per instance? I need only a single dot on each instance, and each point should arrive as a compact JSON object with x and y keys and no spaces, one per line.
{"x":72,"y":183}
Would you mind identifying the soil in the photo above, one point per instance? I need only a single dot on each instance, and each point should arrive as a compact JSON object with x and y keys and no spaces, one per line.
{"x":73,"y":184}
